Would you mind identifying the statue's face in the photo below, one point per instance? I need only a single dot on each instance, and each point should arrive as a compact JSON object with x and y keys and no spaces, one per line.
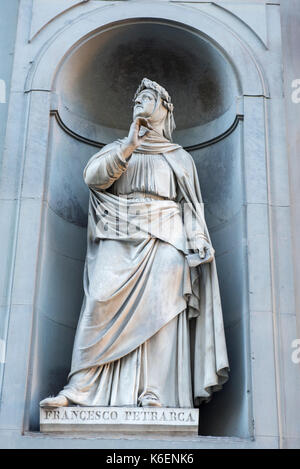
{"x":144,"y":104}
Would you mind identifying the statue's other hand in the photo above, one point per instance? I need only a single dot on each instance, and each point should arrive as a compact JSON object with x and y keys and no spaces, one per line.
{"x":206,"y":251}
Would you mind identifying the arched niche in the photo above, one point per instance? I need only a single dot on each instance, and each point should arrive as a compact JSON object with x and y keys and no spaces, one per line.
{"x":205,"y":84}
{"x":97,"y":82}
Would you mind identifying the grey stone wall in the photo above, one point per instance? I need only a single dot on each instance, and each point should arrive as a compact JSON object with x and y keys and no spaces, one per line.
{"x":258,"y":288}
{"x":290,"y":19}
{"x":8,"y":26}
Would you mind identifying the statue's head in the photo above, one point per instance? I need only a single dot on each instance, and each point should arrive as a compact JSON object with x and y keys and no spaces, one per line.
{"x":153,"y":102}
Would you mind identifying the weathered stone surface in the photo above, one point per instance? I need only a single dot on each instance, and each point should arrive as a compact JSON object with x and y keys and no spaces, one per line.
{"x":97,"y":419}
{"x":276,"y":323}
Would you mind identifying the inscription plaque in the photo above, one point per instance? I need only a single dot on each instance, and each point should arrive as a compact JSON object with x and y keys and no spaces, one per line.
{"x":97,"y":419}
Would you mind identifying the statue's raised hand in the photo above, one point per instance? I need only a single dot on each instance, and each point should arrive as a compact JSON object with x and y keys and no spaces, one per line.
{"x":135,"y":136}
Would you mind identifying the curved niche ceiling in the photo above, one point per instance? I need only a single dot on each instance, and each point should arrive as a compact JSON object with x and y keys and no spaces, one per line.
{"x":97,"y":82}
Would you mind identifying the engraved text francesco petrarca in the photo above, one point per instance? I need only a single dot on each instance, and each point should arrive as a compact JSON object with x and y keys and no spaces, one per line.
{"x":113,"y":415}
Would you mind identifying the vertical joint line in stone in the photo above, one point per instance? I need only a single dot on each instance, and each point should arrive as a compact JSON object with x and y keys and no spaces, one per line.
{"x":272,"y":272}
{"x":2,"y":92}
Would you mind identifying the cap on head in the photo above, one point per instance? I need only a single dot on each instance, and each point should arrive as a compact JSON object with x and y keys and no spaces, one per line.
{"x":166,"y":101}
{"x":160,"y":90}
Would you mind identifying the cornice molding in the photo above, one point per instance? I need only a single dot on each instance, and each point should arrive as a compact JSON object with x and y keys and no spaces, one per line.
{"x":94,"y":143}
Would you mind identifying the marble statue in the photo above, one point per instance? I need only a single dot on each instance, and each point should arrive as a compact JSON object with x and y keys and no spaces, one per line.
{"x":150,"y":270}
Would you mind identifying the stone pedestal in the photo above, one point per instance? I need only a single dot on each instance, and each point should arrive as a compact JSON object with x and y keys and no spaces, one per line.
{"x":133,"y":419}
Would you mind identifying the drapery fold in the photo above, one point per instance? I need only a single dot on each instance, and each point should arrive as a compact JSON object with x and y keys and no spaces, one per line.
{"x":133,"y":306}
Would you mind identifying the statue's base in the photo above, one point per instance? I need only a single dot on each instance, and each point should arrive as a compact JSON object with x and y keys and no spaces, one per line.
{"x":118,"y":419}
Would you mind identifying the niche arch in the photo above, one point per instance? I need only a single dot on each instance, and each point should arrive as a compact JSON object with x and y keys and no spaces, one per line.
{"x":216,"y":143}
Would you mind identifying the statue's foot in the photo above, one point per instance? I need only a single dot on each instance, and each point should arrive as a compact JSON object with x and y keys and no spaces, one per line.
{"x":58,"y":401}
{"x":149,"y":400}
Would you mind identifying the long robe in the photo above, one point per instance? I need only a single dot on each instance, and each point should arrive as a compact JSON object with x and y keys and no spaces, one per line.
{"x":140,"y":292}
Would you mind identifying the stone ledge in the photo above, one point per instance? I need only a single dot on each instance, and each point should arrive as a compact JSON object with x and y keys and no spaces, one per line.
{"x":99,"y":419}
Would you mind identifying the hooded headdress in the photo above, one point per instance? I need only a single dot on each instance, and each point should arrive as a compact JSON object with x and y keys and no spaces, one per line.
{"x":162,"y":93}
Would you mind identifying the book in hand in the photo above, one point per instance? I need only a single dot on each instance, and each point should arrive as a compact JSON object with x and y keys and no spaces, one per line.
{"x":195,"y":259}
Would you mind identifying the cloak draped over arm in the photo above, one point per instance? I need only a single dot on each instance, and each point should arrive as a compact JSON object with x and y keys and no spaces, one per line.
{"x":210,"y":353}
{"x":104,"y":168}
{"x":204,"y":304}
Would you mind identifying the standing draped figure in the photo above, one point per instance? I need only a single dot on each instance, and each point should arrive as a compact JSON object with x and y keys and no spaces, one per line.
{"x":151,"y":331}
